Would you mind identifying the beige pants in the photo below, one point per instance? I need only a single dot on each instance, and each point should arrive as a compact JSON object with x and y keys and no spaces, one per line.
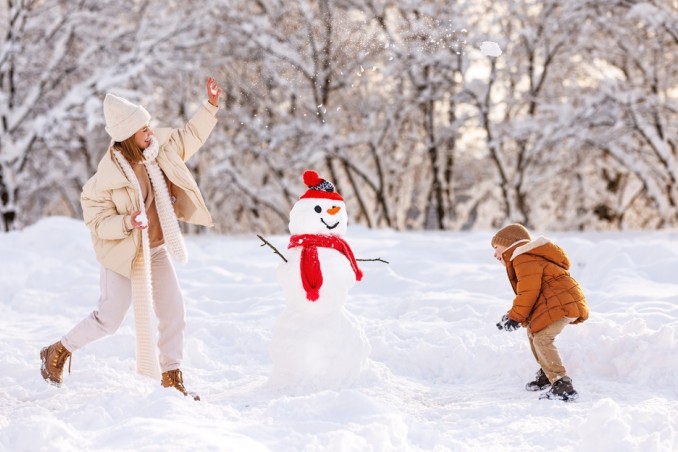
{"x":115,"y":300}
{"x":545,"y":351}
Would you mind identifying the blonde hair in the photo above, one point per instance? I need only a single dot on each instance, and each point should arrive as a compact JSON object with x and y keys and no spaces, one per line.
{"x":130,"y":150}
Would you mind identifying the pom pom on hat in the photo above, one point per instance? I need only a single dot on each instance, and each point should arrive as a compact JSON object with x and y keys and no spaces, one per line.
{"x":508,"y":235}
{"x":311,"y":178}
{"x":318,"y":187}
{"x":123,"y":118}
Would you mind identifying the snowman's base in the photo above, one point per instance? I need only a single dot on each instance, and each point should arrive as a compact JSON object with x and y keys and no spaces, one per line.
{"x":329,"y":350}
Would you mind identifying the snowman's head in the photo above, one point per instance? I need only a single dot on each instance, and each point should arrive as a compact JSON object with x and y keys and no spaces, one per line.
{"x":318,"y":216}
{"x":321,"y":210}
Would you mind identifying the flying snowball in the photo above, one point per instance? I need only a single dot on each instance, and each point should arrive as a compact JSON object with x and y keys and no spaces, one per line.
{"x":489,"y":48}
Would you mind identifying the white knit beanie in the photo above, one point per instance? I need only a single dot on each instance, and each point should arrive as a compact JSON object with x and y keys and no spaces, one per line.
{"x":123,"y":118}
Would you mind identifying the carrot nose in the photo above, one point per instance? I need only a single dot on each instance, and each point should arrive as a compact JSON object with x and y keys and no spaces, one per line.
{"x":334,"y":210}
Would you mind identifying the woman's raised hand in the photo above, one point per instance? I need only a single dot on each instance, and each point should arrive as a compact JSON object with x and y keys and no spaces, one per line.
{"x":213,"y":91}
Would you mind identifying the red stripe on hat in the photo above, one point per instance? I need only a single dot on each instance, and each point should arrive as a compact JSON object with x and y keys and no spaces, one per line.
{"x":321,"y":194}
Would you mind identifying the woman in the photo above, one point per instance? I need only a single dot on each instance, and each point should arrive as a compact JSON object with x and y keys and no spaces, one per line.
{"x":131,"y":206}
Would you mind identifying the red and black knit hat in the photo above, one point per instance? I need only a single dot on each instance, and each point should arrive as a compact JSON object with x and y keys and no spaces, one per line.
{"x":319,"y":188}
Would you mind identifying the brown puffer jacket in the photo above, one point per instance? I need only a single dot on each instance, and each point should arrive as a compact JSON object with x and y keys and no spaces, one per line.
{"x":545,"y":291}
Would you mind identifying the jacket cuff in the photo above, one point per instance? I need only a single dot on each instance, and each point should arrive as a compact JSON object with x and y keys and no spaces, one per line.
{"x":211,"y":108}
{"x":127,"y":224}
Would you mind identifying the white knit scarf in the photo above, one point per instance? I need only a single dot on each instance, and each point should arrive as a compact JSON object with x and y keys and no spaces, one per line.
{"x":142,"y":289}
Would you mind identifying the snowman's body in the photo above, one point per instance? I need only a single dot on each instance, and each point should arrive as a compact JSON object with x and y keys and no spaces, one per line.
{"x":338,"y":278}
{"x":317,"y":342}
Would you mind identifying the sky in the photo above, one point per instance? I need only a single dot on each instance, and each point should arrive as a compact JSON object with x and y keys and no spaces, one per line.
{"x":439,"y":375}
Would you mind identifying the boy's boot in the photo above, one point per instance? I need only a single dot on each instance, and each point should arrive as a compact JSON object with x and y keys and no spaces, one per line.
{"x":561,"y":390}
{"x":53,"y":359}
{"x":174,"y":379}
{"x":540,"y":383}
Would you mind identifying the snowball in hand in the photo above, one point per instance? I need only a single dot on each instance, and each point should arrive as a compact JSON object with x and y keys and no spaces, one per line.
{"x":489,"y":48}
{"x":142,"y":219}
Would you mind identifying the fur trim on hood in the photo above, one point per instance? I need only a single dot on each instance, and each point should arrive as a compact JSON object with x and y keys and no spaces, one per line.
{"x":544,"y":248}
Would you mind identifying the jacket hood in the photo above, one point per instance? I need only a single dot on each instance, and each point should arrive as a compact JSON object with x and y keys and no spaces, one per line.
{"x":545,"y":249}
{"x":111,"y":175}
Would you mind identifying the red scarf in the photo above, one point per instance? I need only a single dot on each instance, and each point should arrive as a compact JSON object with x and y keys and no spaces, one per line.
{"x":311,"y":275}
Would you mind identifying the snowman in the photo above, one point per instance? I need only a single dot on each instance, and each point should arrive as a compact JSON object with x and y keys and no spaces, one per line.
{"x":316,"y":342}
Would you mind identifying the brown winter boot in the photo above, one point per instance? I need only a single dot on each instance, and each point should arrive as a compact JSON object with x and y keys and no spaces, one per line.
{"x":53,"y":359}
{"x":562,"y":389}
{"x":540,"y":382}
{"x":174,"y":379}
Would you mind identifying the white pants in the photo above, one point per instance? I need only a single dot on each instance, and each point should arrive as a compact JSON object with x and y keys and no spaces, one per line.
{"x":115,"y":300}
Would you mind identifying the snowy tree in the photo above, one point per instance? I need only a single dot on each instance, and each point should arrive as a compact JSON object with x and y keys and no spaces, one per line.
{"x":572,"y":126}
{"x":427,"y":43}
{"x":321,"y":84}
{"x":56,"y":61}
{"x":631,"y":110}
{"x":518,"y":101}
{"x":284,"y":112}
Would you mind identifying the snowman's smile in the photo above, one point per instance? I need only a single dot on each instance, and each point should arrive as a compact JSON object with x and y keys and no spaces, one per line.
{"x":328,"y":226}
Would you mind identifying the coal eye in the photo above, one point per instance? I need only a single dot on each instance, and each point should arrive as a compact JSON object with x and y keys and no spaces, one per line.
{"x":318,"y":209}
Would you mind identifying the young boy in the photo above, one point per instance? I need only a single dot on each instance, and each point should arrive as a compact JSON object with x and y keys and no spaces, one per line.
{"x":547,"y":299}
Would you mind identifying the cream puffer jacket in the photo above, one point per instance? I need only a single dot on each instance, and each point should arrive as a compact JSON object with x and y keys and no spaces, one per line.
{"x":108,"y":197}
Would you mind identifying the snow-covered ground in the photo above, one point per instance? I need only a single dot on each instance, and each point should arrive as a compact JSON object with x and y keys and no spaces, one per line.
{"x":441,"y":376}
